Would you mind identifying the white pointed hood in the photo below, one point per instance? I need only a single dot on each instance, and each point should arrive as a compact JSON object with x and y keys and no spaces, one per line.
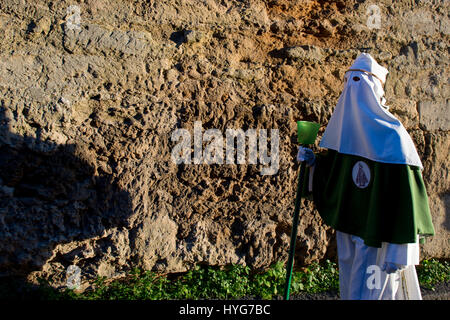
{"x":361,"y":125}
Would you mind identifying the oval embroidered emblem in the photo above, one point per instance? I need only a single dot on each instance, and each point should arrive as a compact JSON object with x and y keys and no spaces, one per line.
{"x":361,"y":174}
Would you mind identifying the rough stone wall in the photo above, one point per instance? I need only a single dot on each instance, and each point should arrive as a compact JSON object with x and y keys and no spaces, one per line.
{"x":91,"y":94}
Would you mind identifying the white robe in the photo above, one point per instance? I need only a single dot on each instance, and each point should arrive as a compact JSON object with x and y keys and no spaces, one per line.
{"x":361,"y":125}
{"x":360,"y":275}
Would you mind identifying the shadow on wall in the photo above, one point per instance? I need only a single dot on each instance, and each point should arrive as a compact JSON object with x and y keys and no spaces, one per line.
{"x":446,"y":199}
{"x":50,"y":195}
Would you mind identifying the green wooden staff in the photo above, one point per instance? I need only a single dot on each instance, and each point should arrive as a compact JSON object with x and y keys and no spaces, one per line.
{"x":306,"y":134}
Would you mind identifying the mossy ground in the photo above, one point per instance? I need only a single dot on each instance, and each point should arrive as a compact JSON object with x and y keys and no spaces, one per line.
{"x":202,"y":282}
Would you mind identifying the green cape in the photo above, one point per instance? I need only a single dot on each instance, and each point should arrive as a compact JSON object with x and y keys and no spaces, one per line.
{"x":392,"y":207}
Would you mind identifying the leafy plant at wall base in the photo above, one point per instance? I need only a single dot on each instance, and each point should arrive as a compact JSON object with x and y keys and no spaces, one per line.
{"x":431,"y":272}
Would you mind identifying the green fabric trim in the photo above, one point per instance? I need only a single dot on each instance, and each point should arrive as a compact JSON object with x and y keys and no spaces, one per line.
{"x":392,"y":208}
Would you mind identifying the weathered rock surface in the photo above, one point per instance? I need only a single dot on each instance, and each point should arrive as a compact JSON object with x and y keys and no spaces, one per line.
{"x":91,"y":94}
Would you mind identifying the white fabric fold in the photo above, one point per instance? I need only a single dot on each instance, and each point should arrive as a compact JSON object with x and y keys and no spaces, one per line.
{"x":362,"y":126}
{"x":404,"y":254}
{"x":361,"y":276}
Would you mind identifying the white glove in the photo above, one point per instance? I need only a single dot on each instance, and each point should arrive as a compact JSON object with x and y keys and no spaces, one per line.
{"x":307,"y":155}
{"x":390,"y":267}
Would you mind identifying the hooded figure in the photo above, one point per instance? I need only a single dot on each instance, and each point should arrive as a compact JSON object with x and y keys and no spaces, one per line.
{"x":368,"y":186}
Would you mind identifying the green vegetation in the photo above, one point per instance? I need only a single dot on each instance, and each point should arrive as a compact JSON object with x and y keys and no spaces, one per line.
{"x":431,"y":272}
{"x":231,"y":282}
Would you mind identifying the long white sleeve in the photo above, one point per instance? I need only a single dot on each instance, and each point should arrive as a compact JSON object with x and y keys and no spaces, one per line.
{"x":404,"y":254}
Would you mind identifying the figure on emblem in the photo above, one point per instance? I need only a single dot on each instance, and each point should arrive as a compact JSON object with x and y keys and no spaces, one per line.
{"x":361,"y":179}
